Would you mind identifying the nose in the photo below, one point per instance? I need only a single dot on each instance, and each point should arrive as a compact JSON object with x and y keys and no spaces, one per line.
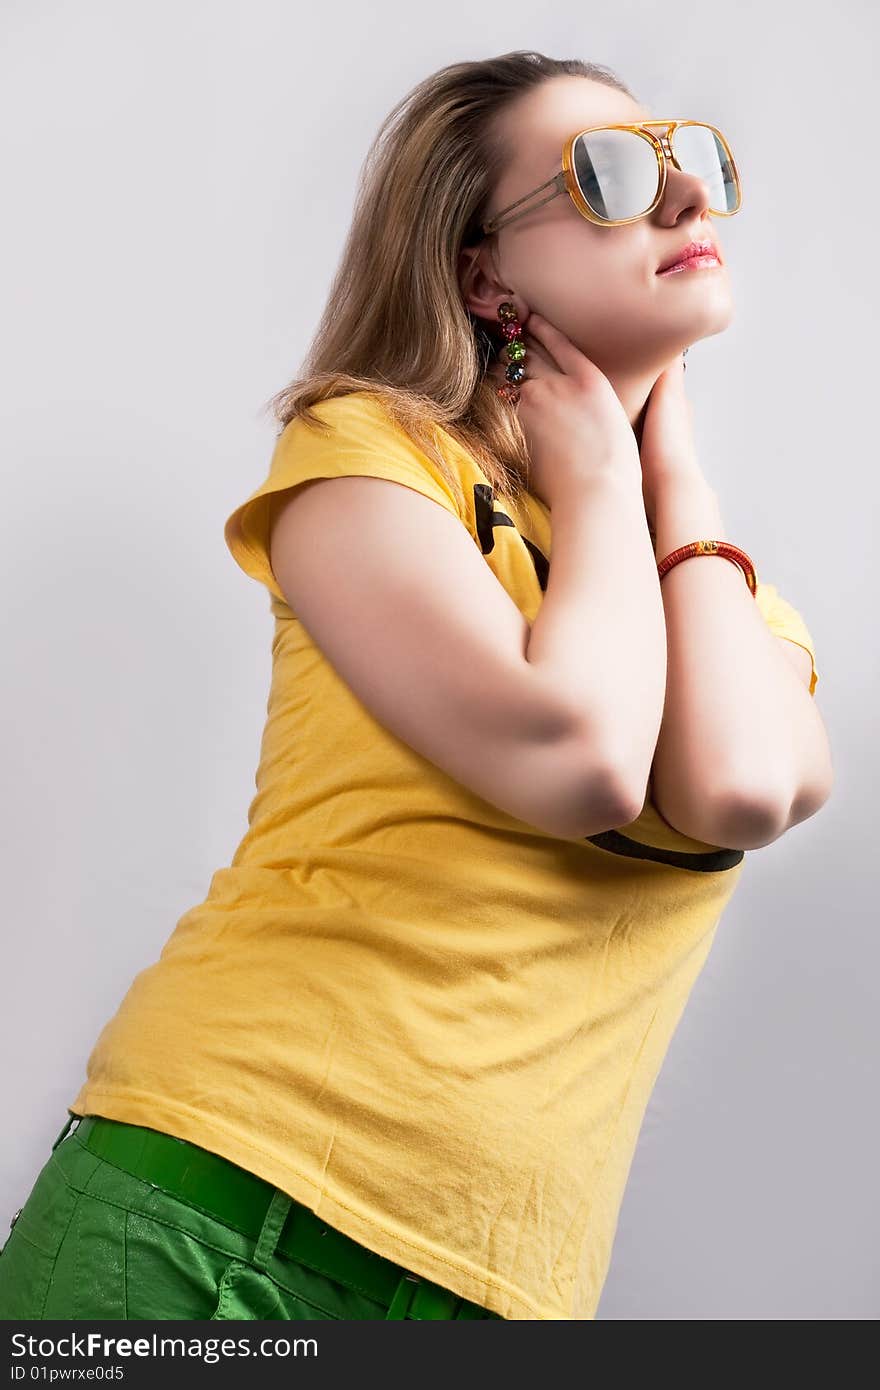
{"x":682,"y":191}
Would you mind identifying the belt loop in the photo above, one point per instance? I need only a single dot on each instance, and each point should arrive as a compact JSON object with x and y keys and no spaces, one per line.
{"x":67,"y":1124}
{"x":403,"y":1297}
{"x":271,"y":1228}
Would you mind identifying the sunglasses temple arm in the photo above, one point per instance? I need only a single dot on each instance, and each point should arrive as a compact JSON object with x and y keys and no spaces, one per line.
{"x":558,"y":182}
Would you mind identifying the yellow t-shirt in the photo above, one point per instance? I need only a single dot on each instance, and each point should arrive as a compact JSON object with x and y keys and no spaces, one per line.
{"x":432,"y":1023}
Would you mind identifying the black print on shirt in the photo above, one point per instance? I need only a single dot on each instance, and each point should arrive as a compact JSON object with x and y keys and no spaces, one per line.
{"x":710,"y":861}
{"x":487,"y":518}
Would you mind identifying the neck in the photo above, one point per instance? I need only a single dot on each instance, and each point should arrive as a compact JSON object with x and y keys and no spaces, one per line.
{"x":633,"y":395}
{"x":632,"y":388}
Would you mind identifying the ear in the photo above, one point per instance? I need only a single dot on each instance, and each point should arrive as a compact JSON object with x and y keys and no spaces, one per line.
{"x":481,"y":289}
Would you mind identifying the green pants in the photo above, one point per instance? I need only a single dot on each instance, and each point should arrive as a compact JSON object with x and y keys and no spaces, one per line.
{"x":93,"y":1241}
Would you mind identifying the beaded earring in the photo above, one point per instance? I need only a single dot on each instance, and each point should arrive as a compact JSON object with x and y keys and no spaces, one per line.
{"x":511,"y":328}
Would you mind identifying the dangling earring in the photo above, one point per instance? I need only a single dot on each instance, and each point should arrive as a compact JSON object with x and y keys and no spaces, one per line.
{"x":511,"y":328}
{"x":684,"y":365}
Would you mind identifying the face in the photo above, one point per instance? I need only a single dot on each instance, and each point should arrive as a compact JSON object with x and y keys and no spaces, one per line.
{"x":598,"y":284}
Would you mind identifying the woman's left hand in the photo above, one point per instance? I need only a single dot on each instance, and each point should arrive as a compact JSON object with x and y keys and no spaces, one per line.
{"x":667,"y":449}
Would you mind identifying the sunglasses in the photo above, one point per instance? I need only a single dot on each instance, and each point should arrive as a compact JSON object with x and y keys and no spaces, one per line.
{"x":617,"y":173}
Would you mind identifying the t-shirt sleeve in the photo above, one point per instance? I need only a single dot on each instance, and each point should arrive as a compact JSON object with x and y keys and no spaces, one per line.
{"x":785,"y":621}
{"x":357,"y":437}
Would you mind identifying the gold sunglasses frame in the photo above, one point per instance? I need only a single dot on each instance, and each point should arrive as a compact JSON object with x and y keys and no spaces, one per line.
{"x":566,"y":180}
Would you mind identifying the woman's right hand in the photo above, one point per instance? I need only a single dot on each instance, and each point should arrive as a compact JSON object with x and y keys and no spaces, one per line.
{"x":574,"y":423}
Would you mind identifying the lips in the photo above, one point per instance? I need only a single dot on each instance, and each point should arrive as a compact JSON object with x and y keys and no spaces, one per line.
{"x":706,"y":247}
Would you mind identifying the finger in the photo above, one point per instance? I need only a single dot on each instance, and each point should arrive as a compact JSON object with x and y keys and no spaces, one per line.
{"x":538,"y":361}
{"x":561,"y":349}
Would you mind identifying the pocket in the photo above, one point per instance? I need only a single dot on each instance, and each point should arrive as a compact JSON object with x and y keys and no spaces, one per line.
{"x":247,"y":1293}
{"x":34,"y":1245}
{"x":170,"y":1273}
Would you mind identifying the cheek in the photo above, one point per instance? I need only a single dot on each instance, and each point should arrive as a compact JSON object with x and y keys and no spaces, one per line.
{"x":603,"y":291}
{"x":558,"y":279}
{"x":576,"y":275}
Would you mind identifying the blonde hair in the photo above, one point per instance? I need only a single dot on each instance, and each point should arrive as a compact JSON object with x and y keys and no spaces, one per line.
{"x":395,"y":322}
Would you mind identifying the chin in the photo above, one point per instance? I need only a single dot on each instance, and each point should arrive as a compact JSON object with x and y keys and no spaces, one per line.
{"x":725,"y":317}
{"x":716,"y":318}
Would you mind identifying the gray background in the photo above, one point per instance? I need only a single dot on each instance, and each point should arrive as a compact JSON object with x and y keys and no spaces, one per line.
{"x":177,"y":181}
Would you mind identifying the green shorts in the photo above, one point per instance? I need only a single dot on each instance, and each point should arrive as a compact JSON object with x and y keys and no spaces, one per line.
{"x":94,"y":1241}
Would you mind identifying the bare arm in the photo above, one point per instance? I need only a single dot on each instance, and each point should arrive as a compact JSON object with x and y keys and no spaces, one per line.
{"x":742,"y":753}
{"x":527,"y":721}
{"x":600,"y":633}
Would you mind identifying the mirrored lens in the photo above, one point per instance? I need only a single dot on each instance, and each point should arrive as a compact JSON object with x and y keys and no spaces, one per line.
{"x":618,"y":173}
{"x":699,"y":151}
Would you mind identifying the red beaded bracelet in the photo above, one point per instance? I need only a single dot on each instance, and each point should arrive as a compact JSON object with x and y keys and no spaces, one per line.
{"x":723,"y":548}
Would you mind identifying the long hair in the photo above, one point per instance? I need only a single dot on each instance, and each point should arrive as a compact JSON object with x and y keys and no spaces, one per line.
{"x":395,"y":322}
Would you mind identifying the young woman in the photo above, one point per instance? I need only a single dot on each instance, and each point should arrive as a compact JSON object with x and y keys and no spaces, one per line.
{"x":396,"y":1062}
